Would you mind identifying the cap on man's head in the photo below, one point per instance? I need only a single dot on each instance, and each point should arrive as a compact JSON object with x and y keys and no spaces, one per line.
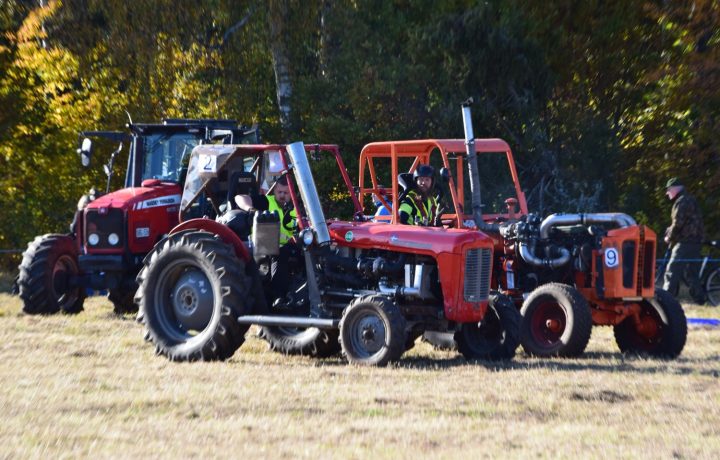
{"x":674,"y":181}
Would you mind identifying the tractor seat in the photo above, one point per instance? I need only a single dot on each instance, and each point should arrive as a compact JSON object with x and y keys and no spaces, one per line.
{"x":240,"y":183}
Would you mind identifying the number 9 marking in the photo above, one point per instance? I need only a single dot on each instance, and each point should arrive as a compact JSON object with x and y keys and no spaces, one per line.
{"x":611,"y":258}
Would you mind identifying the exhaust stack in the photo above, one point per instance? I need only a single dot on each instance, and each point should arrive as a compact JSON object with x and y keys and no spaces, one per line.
{"x":308,"y":191}
{"x":473,"y":171}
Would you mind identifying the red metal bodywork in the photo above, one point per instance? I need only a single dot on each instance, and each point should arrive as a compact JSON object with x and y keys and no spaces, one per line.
{"x":447,"y":246}
{"x":153,"y":206}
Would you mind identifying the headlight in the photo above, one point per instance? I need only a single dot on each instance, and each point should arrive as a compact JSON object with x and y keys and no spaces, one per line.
{"x":308,"y":236}
{"x":93,"y":239}
{"x":113,"y":239}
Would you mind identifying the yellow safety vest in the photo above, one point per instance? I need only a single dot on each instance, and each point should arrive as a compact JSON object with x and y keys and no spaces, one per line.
{"x":285,"y":233}
{"x":420,"y":212}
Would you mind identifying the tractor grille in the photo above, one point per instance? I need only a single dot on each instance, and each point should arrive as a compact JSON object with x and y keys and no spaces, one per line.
{"x":104,"y":224}
{"x":477,"y":275}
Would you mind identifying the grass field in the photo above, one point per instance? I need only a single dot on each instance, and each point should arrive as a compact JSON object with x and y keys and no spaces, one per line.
{"x":89,"y":386}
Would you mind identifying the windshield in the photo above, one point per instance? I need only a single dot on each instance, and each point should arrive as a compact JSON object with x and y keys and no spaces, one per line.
{"x":164,"y":154}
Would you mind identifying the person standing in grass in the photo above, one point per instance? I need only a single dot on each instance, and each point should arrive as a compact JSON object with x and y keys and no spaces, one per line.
{"x":684,"y":236}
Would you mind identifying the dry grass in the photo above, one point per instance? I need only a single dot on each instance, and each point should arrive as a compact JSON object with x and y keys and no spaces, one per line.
{"x":88,"y":386}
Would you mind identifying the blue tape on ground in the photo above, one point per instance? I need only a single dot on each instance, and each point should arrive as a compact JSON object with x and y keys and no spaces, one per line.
{"x":704,"y":321}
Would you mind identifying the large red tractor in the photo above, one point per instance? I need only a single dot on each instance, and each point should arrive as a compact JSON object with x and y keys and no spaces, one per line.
{"x":565,"y":272}
{"x":371,"y":286}
{"x":112,"y":232}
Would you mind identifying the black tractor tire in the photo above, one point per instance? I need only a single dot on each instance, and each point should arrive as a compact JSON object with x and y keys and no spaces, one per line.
{"x":192,"y":288}
{"x":664,"y":324}
{"x":47,"y":282}
{"x":123,"y":300}
{"x":556,"y":322}
{"x":440,"y":340}
{"x":318,"y":343}
{"x":372,"y":331}
{"x":496,"y":337}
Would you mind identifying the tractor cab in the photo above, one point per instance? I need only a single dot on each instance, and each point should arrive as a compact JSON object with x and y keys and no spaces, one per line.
{"x":161,"y":150}
{"x":386,"y":174}
{"x":216,"y":174}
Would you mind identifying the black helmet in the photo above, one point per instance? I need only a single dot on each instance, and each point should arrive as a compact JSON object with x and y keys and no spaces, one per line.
{"x":424,"y":171}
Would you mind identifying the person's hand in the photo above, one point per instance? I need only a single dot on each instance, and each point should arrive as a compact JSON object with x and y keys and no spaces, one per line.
{"x":667,"y":240}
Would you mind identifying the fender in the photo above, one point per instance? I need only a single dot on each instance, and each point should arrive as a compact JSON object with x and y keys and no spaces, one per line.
{"x":216,"y":228}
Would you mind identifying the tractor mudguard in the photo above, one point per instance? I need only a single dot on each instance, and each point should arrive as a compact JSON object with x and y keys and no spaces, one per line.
{"x":219,"y":229}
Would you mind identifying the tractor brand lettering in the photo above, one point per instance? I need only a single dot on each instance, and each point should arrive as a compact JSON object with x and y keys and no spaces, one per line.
{"x":160,"y":201}
{"x":349,"y":236}
{"x":409,"y":244}
{"x":611,"y":258}
{"x":142,"y":232}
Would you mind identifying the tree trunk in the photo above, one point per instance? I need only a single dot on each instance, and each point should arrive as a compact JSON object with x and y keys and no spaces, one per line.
{"x":278,"y":19}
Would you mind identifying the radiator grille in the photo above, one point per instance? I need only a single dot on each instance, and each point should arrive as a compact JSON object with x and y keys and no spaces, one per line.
{"x":477,"y":275}
{"x":103,"y":225}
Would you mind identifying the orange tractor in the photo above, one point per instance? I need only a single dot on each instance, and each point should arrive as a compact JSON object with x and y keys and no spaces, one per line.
{"x":565,"y":272}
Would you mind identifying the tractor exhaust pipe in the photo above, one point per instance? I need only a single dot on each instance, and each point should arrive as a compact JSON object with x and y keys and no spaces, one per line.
{"x":308,"y":191}
{"x":288,"y":321}
{"x":528,"y":254}
{"x":473,"y":171}
{"x":556,"y":220}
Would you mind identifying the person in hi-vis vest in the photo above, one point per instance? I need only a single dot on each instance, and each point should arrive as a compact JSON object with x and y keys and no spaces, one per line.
{"x":279,"y":202}
{"x":419,"y":206}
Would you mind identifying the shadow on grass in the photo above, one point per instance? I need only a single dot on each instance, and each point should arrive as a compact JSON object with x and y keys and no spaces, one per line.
{"x":587,"y":362}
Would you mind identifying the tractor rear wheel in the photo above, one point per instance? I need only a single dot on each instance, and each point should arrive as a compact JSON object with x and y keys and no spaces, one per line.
{"x":192,"y":289}
{"x":372,"y":331}
{"x":659,"y":331}
{"x":556,"y":321}
{"x":48,"y":278}
{"x":496,"y":337}
{"x":311,"y":341}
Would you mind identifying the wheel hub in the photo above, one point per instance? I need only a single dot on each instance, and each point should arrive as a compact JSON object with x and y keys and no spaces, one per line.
{"x":192,"y":300}
{"x":553,"y":325}
{"x":548,"y":324}
{"x":370,"y":334}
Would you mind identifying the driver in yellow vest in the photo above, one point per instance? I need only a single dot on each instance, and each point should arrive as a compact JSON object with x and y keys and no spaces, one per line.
{"x":279,"y":202}
{"x":419,"y":206}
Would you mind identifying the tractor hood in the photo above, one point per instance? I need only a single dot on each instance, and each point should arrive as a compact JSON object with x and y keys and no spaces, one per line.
{"x":406,"y":238}
{"x":152,"y":193}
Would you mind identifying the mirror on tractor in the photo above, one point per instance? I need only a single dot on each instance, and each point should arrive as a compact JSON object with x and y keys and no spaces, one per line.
{"x":85,"y":152}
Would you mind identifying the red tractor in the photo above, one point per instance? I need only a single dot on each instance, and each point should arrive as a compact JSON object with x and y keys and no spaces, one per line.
{"x":112,"y":232}
{"x":565,"y":272}
{"x":371,"y":286}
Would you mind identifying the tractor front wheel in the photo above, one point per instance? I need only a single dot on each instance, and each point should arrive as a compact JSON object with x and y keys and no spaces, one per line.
{"x":556,"y":321}
{"x":372,"y":331}
{"x":48,"y":278}
{"x":660,"y":330}
{"x":192,"y":289}
{"x":496,"y":337}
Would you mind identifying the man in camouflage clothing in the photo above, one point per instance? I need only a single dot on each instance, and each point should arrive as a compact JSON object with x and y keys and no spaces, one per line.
{"x":685,"y":237}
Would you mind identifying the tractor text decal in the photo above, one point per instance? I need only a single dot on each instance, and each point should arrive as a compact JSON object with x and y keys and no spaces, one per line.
{"x":159,"y":201}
